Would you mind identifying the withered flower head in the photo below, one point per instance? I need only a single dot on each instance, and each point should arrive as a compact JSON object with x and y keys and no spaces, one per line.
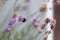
{"x":43,"y":8}
{"x":14,"y":14}
{"x":36,"y":24}
{"x":53,"y":24}
{"x":47,"y":20}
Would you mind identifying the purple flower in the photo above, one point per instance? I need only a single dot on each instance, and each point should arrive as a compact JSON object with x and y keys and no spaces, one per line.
{"x":8,"y":28}
{"x":20,"y":18}
{"x":12,"y":21}
{"x":34,"y":20}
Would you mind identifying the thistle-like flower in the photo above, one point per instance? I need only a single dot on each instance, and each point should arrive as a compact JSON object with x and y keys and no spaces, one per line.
{"x":34,"y":20}
{"x":12,"y":21}
{"x":22,"y":19}
{"x":8,"y":28}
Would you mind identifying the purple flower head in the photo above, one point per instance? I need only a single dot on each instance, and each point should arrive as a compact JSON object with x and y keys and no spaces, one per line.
{"x":12,"y":21}
{"x":34,"y":20}
{"x":8,"y":28}
{"x":20,"y":18}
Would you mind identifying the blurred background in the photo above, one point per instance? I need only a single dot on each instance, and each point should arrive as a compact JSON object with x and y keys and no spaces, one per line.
{"x":26,"y":31}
